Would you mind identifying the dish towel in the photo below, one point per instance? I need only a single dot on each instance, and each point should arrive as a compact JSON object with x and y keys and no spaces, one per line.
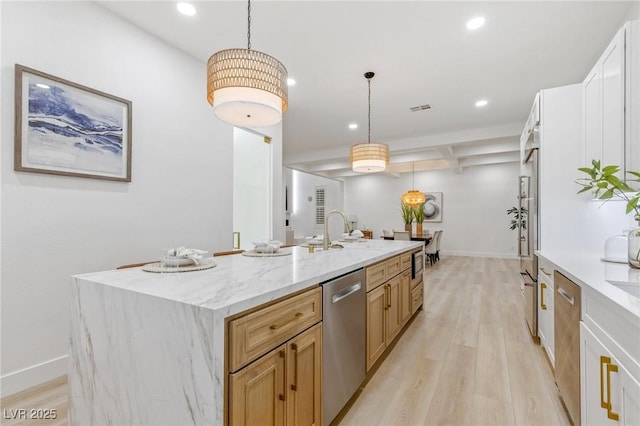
{"x":186,"y":253}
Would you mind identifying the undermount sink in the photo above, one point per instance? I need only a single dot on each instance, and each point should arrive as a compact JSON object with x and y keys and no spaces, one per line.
{"x":629,"y":287}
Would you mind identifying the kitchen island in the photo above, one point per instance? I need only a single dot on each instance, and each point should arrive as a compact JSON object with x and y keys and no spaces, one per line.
{"x":149,"y":348}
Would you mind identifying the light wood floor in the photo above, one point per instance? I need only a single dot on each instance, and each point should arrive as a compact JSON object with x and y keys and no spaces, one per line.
{"x":466,"y":359}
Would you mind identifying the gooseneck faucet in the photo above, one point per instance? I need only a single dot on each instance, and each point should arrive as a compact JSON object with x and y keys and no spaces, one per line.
{"x":325,"y":238}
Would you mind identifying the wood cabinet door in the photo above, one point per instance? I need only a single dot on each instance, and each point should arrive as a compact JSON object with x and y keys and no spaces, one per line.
{"x":394,"y":311}
{"x":376,"y":308}
{"x":257,"y":392}
{"x":304,"y":376}
{"x":405,"y":297}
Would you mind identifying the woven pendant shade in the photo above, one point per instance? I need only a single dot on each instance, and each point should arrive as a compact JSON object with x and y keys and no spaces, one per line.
{"x":247,"y":88}
{"x":369,"y":157}
{"x":413,"y":198}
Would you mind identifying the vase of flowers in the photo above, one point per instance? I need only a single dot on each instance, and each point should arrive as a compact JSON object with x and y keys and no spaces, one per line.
{"x":607,"y":186}
{"x":407,"y":215}
{"x":418,"y":214}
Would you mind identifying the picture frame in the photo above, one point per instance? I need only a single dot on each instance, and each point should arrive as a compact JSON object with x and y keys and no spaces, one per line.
{"x":433,"y":207}
{"x":64,"y":128}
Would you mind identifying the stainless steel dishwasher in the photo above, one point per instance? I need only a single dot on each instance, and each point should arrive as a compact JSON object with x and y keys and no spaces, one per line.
{"x":343,"y":341}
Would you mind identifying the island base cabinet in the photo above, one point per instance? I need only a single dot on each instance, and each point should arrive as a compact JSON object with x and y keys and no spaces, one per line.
{"x":281,"y":388}
{"x":376,"y":308}
{"x":610,"y":395}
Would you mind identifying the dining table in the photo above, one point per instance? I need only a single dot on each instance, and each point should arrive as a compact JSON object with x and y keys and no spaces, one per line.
{"x":415,"y":237}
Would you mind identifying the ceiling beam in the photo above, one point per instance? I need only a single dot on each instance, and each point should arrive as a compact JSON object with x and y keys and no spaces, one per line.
{"x":447,"y":154}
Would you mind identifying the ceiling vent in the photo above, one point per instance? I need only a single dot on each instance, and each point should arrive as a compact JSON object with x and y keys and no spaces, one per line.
{"x":420,"y":108}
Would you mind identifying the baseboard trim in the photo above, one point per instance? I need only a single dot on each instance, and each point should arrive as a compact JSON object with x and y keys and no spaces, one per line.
{"x":32,"y":376}
{"x":479,"y":254}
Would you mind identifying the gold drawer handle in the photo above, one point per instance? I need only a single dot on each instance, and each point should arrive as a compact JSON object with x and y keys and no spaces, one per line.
{"x":545,"y":272}
{"x":606,"y":404}
{"x":277,"y":326}
{"x":542,"y":304}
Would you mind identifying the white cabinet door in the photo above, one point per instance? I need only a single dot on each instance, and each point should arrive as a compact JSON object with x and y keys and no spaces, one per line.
{"x":609,"y":394}
{"x":546,"y":322}
{"x":632,"y":87}
{"x":613,"y":101}
{"x":593,"y":114}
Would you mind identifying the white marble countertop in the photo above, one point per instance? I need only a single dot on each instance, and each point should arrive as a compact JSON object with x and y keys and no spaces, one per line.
{"x":590,"y":270}
{"x":240,"y":282}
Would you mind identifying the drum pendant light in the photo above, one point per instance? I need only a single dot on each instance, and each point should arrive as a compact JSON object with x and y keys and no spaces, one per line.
{"x":247,"y":88}
{"x":413,"y":197}
{"x":369,"y":157}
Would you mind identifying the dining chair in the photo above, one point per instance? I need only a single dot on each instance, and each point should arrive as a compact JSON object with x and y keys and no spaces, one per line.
{"x":431,"y":248}
{"x":135,"y":265}
{"x":401,"y":235}
{"x":227,"y":253}
{"x":438,"y":245}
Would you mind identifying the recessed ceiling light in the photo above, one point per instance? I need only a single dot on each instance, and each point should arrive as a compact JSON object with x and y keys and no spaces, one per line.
{"x":353,"y":126}
{"x":475,"y":23}
{"x":481,"y":103}
{"x":42,"y":86}
{"x":291,"y":82}
{"x":186,"y":8}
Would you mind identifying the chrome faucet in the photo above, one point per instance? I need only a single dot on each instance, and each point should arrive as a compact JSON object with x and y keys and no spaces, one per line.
{"x":325,"y":238}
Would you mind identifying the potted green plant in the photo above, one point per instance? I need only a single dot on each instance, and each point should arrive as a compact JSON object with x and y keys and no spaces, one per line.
{"x":607,"y":186}
{"x":519,"y":217}
{"x":407,"y":215}
{"x":418,"y":214}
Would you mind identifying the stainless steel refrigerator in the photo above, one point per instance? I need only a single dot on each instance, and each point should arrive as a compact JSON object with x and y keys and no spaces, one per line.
{"x":528,"y":225}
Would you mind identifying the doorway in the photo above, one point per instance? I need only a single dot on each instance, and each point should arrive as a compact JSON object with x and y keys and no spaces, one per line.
{"x":252,"y":195}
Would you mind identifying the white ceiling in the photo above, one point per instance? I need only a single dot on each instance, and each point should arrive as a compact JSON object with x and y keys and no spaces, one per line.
{"x":421,"y":53}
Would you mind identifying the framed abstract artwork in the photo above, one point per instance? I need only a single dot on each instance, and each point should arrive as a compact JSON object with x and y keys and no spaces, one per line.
{"x":64,"y":128}
{"x":433,"y":207}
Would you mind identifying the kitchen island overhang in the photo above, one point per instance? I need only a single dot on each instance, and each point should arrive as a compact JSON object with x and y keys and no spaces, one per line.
{"x":149,"y":348}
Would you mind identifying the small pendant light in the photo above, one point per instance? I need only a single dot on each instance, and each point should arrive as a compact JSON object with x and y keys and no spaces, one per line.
{"x":369,"y":157}
{"x":413,"y":197}
{"x":247,"y":88}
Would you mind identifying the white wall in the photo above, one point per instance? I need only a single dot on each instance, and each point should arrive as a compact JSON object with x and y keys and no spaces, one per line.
{"x":474,"y":206}
{"x":53,"y":226}
{"x":302,"y":218}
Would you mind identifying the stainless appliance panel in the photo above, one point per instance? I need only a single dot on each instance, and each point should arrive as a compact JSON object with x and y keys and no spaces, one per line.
{"x":417,"y":264}
{"x":566,"y":308}
{"x":343,"y":341}
{"x":528,"y":231}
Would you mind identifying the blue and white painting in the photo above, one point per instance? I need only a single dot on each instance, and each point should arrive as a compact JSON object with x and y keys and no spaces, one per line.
{"x":71,"y":130}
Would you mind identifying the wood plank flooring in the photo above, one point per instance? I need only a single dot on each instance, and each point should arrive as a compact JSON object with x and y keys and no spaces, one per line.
{"x":466,"y":359}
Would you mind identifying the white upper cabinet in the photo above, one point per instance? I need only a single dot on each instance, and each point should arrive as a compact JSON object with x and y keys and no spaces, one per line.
{"x":611,"y":103}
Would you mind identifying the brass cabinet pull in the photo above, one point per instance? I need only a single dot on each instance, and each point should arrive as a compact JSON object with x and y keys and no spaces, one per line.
{"x":545,"y":272}
{"x":389,"y":299}
{"x":294,"y":386}
{"x":542,"y":304}
{"x":606,"y":404}
{"x":277,"y":326}
{"x":386,"y":298}
{"x":610,"y":413}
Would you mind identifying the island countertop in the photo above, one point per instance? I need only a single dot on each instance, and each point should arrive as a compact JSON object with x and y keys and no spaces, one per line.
{"x":240,"y":282}
{"x":149,"y":348}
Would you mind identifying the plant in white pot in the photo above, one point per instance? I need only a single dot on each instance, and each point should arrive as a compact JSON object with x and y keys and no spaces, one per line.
{"x":608,"y":186}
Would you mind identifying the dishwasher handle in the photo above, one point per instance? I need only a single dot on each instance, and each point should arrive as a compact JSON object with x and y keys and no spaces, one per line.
{"x":346,"y":292}
{"x":566,"y":295}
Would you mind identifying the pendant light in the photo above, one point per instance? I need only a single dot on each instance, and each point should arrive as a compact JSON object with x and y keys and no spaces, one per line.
{"x":369,"y":157}
{"x":247,"y":88}
{"x":413,"y":197}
